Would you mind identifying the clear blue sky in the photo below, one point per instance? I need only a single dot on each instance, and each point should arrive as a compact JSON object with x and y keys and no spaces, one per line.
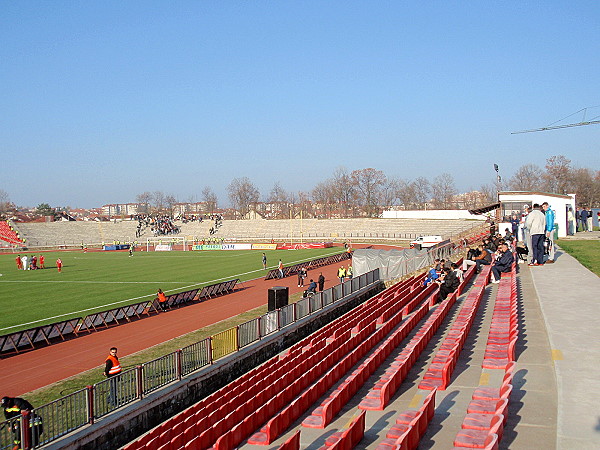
{"x":101,"y":101}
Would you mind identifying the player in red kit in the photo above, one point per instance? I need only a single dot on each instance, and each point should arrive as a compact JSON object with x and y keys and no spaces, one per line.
{"x":59,"y":265}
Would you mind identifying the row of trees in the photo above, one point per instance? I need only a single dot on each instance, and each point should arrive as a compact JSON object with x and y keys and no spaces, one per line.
{"x":366,"y":192}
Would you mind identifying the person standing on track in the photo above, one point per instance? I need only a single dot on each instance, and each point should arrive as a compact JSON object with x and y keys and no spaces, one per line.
{"x":111,"y":370}
{"x":342,"y":273}
{"x":321,"y":282}
{"x":280,"y":267}
{"x":264,"y":261}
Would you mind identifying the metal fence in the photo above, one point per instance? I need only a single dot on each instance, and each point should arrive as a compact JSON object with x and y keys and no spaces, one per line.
{"x":84,"y":406}
{"x":196,"y":356}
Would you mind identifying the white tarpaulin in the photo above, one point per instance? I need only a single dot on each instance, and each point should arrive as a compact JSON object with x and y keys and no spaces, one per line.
{"x":394,"y":264}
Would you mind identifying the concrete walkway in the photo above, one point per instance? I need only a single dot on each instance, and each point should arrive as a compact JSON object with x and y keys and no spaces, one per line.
{"x":568,"y":295}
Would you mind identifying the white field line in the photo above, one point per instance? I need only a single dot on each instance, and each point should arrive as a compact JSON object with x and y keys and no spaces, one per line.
{"x":141,"y":297}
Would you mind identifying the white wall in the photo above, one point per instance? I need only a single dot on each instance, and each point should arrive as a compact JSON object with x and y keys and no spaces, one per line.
{"x":432,"y":214}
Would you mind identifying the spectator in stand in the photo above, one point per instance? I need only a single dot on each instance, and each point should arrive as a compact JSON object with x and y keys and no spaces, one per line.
{"x":432,"y":275}
{"x":321,"y":281}
{"x":583,"y":215}
{"x":550,"y":225}
{"x":503,"y":262}
{"x":514,"y":223}
{"x":448,"y":283}
{"x":483,"y":258}
{"x":536,"y":224}
{"x":458,"y":272}
{"x":570,"y":222}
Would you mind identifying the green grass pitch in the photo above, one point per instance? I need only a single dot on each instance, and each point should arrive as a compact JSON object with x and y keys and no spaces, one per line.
{"x":97,"y":281}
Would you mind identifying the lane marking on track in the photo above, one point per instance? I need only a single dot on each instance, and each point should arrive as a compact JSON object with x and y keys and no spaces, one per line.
{"x":130,"y":300}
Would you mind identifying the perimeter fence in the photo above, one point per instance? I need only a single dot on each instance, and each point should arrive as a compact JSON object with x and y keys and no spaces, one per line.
{"x":78,"y":409}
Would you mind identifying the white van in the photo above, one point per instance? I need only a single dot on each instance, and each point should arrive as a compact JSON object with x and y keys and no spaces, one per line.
{"x":425,"y":242}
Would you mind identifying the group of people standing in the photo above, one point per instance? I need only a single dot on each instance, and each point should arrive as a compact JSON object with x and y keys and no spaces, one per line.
{"x":33,"y":262}
{"x":345,"y":272}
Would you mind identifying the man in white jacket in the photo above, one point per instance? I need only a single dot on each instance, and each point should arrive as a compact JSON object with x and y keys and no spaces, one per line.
{"x":536,"y":224}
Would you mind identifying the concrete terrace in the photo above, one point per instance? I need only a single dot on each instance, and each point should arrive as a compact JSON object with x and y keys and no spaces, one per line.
{"x":74,"y":233}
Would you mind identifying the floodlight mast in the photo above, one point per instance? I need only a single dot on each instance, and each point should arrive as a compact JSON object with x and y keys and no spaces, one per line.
{"x":570,"y":125}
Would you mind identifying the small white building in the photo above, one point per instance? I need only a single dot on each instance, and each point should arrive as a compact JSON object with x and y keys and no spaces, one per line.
{"x":514,"y":202}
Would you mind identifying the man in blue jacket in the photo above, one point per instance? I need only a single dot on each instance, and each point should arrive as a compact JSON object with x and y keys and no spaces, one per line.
{"x":550,"y":225}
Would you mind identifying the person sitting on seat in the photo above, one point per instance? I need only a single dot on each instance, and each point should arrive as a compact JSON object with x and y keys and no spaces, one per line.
{"x":448,"y":283}
{"x":503,"y":262}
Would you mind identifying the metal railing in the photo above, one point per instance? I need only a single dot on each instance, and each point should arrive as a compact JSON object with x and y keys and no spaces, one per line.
{"x":73,"y":411}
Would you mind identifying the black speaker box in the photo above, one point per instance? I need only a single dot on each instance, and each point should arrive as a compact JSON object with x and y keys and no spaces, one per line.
{"x":278,"y":297}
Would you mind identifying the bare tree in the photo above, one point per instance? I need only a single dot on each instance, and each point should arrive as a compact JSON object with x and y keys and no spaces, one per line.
{"x":170,"y":202}
{"x":344,"y":190}
{"x":406,"y":194}
{"x":443,"y":189}
{"x":422,"y":191}
{"x":388,"y":194}
{"x":242,"y":193}
{"x":280,"y":199}
{"x":368,"y":183}
{"x":144,"y":200}
{"x":158,"y":199}
{"x":585,"y":187}
{"x":526,"y":178}
{"x":488,"y":194}
{"x":324,"y":196}
{"x":557,"y":178}
{"x":210,"y":198}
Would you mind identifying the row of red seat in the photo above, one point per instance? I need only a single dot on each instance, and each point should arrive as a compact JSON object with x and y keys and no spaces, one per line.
{"x":379,"y":397}
{"x":410,"y":426}
{"x":487,"y":412}
{"x":441,"y":368}
{"x":215,"y":417}
{"x":348,"y":438}
{"x":8,"y":234}
{"x":502,"y":339}
{"x":324,"y":414}
{"x":330,"y":407}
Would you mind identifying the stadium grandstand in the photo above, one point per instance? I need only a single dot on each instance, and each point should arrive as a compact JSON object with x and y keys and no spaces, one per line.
{"x":371,"y":366}
{"x":73,"y":234}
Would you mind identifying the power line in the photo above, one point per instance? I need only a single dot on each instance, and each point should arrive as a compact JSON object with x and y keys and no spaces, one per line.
{"x":552,"y":126}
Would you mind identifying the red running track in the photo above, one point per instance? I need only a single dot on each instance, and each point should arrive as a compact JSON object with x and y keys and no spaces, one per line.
{"x":38,"y":368}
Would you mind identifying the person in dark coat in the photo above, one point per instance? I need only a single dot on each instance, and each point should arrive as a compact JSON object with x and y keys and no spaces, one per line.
{"x":503,"y":262}
{"x":449,"y":283}
{"x":321,"y":282}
